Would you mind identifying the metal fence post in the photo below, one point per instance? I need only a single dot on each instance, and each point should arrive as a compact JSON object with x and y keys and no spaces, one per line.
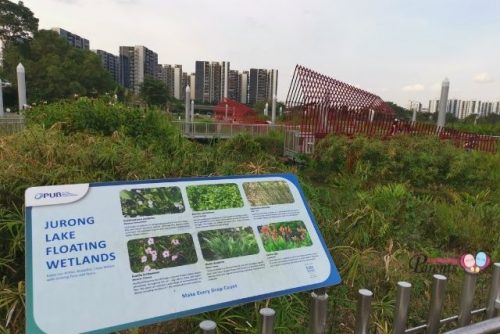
{"x":363,"y":311}
{"x":402,"y":305}
{"x":267,"y":320}
{"x":208,"y":327}
{"x":494,"y":291}
{"x":436,"y":305}
{"x":469,"y":288}
{"x":319,"y":308}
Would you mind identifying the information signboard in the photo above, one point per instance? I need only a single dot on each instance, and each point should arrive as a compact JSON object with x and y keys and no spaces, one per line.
{"x":108,"y":256}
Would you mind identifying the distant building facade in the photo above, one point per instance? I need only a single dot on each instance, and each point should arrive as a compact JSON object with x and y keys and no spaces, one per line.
{"x":175,"y":80}
{"x":110,"y":63}
{"x":137,"y":63}
{"x":415,"y":106}
{"x":462,"y":108}
{"x":262,"y":85}
{"x":233,"y":83}
{"x":211,"y":81}
{"x":73,"y":39}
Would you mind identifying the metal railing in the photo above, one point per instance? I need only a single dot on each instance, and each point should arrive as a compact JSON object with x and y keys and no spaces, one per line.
{"x":10,"y":124}
{"x":317,"y":121}
{"x":206,"y":130}
{"x":319,"y":310}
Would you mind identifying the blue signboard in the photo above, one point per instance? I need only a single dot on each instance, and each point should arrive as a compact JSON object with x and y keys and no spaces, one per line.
{"x":104,"y":257}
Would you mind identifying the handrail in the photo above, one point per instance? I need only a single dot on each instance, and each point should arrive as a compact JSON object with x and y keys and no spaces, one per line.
{"x":490,"y":326}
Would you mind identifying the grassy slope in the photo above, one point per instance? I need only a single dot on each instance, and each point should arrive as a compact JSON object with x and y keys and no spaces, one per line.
{"x":377,"y":203}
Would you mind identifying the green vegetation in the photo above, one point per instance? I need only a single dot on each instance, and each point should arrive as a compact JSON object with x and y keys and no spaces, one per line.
{"x":153,"y":92}
{"x":17,"y":22}
{"x":151,"y":201}
{"x":55,"y":69}
{"x":161,"y":252}
{"x":228,"y":242}
{"x":285,"y":235}
{"x":267,"y":193}
{"x":214,"y":197}
{"x":377,"y":203}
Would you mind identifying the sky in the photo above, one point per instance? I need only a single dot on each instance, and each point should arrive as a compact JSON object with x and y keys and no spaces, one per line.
{"x":400,"y":50}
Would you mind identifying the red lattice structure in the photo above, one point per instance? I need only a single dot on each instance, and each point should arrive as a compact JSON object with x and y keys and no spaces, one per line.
{"x":318,"y":105}
{"x":234,"y":112}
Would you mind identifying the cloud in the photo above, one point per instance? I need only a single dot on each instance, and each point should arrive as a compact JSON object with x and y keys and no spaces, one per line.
{"x":414,"y":88}
{"x":483,"y":78}
{"x":436,"y":87}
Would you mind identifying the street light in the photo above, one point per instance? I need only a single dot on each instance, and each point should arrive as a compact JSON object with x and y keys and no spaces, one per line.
{"x":2,"y":85}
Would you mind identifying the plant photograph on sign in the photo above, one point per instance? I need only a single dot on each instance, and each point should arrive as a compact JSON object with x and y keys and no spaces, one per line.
{"x":227,"y":243}
{"x":161,"y":252}
{"x":284,"y":235}
{"x":151,"y":201}
{"x":214,"y":197}
{"x":268,"y":193}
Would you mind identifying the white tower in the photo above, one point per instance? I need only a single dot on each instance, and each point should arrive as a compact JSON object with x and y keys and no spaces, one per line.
{"x":187,"y":107}
{"x":443,"y":103}
{"x":21,"y":86}
{"x":1,"y":99}
{"x":275,"y":92}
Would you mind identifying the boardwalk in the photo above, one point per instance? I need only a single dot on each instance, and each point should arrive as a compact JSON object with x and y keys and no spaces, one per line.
{"x":205,"y":130}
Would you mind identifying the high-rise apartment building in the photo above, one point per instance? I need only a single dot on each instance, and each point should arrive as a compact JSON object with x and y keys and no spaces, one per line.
{"x":137,"y":63}
{"x":110,"y":63}
{"x":233,"y":84}
{"x":433,"y":106}
{"x":73,"y":39}
{"x":415,"y":106}
{"x":202,"y":85}
{"x":165,"y":74}
{"x":174,"y":79}
{"x":211,"y":81}
{"x":262,"y":85}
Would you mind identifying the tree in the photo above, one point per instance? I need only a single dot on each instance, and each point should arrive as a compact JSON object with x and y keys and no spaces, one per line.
{"x":17,"y":22}
{"x":153,"y":92}
{"x":401,"y":113}
{"x":55,"y":69}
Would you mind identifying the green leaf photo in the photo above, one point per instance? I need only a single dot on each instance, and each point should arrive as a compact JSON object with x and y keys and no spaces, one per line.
{"x":227,"y":243}
{"x":214,"y":197}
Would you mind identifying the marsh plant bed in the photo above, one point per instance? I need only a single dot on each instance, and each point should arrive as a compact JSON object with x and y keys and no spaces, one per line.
{"x":377,"y":204}
{"x":285,"y":235}
{"x":267,"y":193}
{"x":228,"y":242}
{"x":161,"y":252}
{"x":214,"y":197}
